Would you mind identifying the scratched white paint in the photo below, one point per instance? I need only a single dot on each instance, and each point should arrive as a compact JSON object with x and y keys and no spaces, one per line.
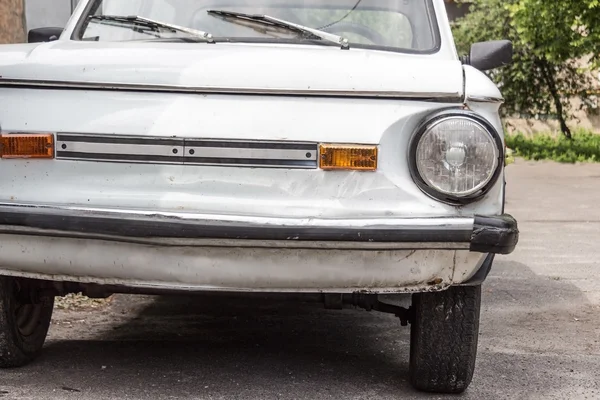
{"x":464,"y":262}
{"x":389,"y":192}
{"x":265,"y":66}
{"x":215,"y":268}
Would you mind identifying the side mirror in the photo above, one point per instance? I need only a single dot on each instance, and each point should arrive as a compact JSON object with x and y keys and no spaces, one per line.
{"x":44,"y":35}
{"x":486,"y":56}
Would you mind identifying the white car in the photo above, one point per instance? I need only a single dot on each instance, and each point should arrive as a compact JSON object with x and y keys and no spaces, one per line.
{"x":328,"y":147}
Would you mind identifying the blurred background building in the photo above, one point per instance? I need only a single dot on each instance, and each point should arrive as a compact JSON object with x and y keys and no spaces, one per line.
{"x":43,"y":13}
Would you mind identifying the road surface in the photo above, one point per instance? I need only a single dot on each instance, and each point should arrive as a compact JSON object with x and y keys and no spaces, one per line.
{"x":540,"y":329}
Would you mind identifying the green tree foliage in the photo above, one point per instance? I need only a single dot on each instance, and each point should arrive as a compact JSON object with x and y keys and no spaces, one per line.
{"x":551,"y":38}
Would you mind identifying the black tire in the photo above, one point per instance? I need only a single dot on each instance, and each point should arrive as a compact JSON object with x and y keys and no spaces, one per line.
{"x":24,"y":321}
{"x":443,"y":339}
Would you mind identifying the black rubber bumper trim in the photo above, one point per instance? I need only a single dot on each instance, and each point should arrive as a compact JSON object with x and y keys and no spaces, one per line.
{"x":497,"y":235}
{"x":489,"y":234}
{"x":173,"y":229}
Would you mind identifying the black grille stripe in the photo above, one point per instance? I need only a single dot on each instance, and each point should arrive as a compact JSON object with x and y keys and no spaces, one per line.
{"x":251,"y":145}
{"x":249,"y":161}
{"x":120,"y":140}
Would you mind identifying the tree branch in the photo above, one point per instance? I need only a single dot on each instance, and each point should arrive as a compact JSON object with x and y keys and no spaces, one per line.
{"x":550,"y":79}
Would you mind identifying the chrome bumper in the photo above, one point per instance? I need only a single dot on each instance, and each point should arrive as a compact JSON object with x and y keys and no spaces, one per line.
{"x":183,"y":251}
{"x":496,"y":235}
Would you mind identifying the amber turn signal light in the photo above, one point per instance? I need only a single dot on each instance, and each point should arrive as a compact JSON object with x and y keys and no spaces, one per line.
{"x":351,"y":157}
{"x":27,"y":146}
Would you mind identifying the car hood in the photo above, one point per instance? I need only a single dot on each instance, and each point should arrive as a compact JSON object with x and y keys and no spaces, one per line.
{"x":232,"y":67}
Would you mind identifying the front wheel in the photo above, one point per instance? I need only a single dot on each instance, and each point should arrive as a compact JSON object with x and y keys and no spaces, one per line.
{"x":443,"y":339}
{"x":24,"y":320}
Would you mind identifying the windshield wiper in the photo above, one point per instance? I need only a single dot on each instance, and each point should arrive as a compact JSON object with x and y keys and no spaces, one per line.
{"x":275,"y":22}
{"x":136,"y":21}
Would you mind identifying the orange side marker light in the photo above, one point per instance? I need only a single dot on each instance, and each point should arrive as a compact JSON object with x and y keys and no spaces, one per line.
{"x":348,"y":157}
{"x":27,"y":145}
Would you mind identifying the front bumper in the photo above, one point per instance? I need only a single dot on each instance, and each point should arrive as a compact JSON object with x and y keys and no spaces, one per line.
{"x":493,"y":234}
{"x":183,"y":251}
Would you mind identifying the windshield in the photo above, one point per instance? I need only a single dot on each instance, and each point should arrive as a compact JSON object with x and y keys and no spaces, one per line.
{"x":400,"y":25}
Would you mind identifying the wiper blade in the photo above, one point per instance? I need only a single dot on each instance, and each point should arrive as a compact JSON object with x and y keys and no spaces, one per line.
{"x":276,"y":22}
{"x":154,"y":25}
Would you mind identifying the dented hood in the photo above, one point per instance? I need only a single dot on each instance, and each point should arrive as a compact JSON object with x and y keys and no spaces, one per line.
{"x":232,"y":67}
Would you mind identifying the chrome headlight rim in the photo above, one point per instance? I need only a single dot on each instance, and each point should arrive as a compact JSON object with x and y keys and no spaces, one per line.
{"x":429,"y":122}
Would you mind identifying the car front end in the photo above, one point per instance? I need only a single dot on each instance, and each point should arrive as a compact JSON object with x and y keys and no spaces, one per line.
{"x":343,"y":202}
{"x":249,"y":165}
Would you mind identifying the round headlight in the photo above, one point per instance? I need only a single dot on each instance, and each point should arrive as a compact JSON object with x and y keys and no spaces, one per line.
{"x":457,"y":156}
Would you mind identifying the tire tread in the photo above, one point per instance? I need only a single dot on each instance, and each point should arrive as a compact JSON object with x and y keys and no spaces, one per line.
{"x":16,"y":351}
{"x":444,"y":338}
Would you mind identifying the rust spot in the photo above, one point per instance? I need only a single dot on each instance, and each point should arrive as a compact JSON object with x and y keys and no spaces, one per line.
{"x":435,"y":281}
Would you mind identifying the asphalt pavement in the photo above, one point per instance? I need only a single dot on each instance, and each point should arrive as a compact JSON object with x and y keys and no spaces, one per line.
{"x":540,"y":328}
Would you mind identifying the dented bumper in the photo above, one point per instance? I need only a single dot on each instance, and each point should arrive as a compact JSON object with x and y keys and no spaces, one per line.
{"x":201,"y":252}
{"x":495,"y":234}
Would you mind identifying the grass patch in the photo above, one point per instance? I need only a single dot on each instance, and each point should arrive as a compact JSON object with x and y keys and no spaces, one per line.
{"x":584,"y":147}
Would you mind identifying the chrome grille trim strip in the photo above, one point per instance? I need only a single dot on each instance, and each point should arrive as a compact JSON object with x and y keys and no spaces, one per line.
{"x":193,"y":151}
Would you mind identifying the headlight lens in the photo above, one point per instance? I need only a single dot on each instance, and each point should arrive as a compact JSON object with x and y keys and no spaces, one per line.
{"x":457,"y":156}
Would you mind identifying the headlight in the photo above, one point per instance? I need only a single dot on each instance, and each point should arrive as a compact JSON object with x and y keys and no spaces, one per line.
{"x":456,"y":156}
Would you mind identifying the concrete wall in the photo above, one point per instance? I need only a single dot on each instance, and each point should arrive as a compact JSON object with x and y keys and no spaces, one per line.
{"x":48,"y":13}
